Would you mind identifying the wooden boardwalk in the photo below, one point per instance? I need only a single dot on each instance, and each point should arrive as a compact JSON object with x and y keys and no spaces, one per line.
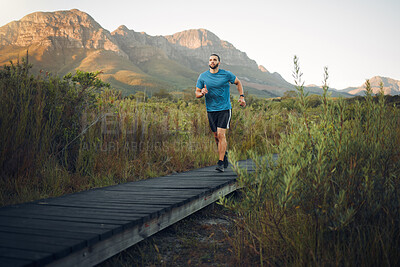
{"x":86,"y":228}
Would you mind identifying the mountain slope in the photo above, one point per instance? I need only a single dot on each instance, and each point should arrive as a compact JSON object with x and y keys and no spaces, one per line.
{"x":150,"y":55}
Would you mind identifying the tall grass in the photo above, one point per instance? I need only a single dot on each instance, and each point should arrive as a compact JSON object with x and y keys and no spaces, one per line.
{"x":332,"y":197}
{"x":61,"y":135}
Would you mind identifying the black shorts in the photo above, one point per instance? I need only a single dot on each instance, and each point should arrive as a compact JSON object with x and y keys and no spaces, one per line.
{"x":219,"y":119}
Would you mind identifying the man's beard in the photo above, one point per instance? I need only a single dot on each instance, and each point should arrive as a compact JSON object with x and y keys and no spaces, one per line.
{"x":214,"y":67}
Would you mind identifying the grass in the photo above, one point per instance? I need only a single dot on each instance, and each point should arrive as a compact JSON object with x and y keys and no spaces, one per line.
{"x":330,"y":199}
{"x":67,"y":135}
{"x":332,"y":196}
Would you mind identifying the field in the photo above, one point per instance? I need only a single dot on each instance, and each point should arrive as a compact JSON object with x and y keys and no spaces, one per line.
{"x":62,"y":135}
{"x":332,"y":198}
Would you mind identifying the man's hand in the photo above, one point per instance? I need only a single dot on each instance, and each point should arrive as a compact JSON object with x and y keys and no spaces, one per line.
{"x":201,"y":92}
{"x":204,"y":90}
{"x":242,"y":101}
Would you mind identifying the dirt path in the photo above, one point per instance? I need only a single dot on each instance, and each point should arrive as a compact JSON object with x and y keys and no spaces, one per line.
{"x":202,"y":239}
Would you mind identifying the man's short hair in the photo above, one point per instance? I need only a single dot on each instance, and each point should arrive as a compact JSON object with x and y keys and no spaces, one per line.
{"x":216,"y":56}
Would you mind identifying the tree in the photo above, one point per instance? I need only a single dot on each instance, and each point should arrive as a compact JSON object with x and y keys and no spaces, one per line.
{"x":289,"y":94}
{"x":163,"y":94}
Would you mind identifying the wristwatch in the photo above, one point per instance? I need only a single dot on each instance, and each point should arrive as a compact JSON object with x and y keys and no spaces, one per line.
{"x":241,"y":95}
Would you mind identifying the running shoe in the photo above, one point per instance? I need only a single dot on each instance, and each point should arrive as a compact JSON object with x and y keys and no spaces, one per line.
{"x":220,"y":166}
{"x":226,"y":162}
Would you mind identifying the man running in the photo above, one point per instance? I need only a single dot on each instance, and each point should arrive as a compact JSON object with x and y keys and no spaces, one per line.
{"x":214,"y":84}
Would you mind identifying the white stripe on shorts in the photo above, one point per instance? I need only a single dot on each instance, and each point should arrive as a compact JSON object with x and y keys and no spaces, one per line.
{"x":229,"y":120}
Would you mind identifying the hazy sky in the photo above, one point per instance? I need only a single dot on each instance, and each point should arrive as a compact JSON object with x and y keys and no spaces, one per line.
{"x":356,"y":39}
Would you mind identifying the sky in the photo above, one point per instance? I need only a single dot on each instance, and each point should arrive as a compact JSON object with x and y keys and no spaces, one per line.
{"x":355,"y":39}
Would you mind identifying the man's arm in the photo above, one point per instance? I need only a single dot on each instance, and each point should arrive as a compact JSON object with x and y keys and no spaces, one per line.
{"x":241,"y":92}
{"x":239,"y":86}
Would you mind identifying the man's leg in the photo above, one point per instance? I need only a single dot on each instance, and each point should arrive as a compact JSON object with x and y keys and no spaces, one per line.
{"x":216,"y":137}
{"x":222,"y":144}
{"x":222,"y":120}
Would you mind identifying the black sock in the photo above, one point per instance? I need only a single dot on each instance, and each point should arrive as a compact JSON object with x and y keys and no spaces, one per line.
{"x":220,"y":162}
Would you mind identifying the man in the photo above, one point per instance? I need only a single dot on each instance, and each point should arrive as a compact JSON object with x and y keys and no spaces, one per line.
{"x":214,"y":85}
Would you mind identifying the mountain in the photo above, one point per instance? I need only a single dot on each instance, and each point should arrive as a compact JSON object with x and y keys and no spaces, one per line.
{"x":61,"y":29}
{"x":63,"y":41}
{"x":390,"y":86}
{"x":313,"y":89}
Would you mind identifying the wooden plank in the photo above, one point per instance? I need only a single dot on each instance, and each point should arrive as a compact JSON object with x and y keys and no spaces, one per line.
{"x":182,"y":178}
{"x":138,"y":204}
{"x":193,"y":175}
{"x":159,"y":201}
{"x":188,"y":178}
{"x":138,"y":192}
{"x":10,"y":262}
{"x":57,"y":241}
{"x":106,"y":200}
{"x":90,"y":238}
{"x":71,"y":212}
{"x":103,"y":231}
{"x":58,"y":247}
{"x":40,"y":258}
{"x":9,"y":220}
{"x":149,"y":203}
{"x":74,"y":219}
{"x":160,"y":186}
{"x":79,"y":212}
{"x":150,"y":211}
{"x":57,"y":251}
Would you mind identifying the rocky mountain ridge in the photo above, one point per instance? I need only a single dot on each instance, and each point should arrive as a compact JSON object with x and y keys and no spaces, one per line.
{"x":66,"y":29}
{"x":390,"y":86}
{"x":63,"y":41}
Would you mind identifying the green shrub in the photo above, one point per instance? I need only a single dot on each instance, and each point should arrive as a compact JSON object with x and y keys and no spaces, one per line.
{"x":314,"y":101}
{"x":332,"y":196}
{"x":40,"y":116}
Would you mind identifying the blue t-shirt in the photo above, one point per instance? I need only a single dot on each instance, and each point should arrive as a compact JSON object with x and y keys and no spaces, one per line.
{"x":218,"y":96}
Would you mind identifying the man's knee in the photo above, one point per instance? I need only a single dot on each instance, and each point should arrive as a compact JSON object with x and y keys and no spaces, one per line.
{"x":221,"y":136}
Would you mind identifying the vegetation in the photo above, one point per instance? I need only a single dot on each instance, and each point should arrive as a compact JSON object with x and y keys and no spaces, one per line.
{"x":62,"y":135}
{"x":332,"y":196}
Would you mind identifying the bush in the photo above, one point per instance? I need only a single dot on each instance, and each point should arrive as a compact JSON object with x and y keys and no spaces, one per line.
{"x":40,"y":116}
{"x":332,"y":196}
{"x":314,"y":101}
